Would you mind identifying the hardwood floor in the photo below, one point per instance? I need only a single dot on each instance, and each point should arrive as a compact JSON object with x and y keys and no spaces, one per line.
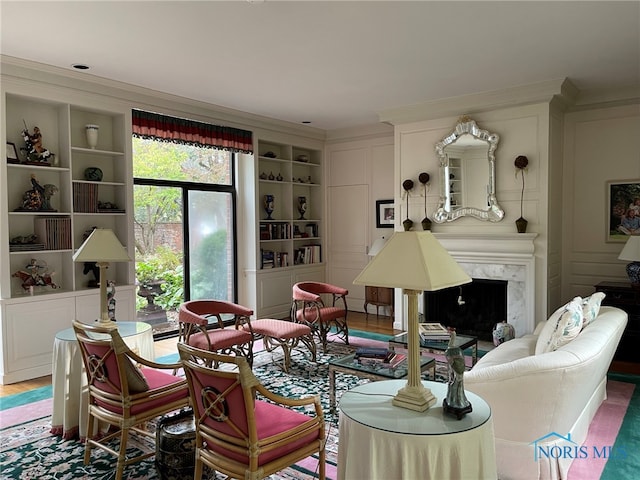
{"x":357,"y":320}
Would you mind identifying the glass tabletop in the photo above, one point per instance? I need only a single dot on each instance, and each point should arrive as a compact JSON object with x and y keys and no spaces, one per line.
{"x":461,"y":341}
{"x":399,"y":371}
{"x":126,"y":329}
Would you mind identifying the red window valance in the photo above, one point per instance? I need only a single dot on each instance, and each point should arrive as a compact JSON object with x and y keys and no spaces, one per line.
{"x":189,"y":132}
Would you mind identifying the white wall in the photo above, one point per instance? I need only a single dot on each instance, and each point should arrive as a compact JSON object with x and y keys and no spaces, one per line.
{"x":359,"y":172}
{"x":600,"y":145}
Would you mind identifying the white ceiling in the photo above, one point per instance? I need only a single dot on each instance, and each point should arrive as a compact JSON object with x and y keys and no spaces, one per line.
{"x":335,"y":64}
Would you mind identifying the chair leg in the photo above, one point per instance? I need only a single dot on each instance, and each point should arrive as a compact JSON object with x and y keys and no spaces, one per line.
{"x":87,"y":443}
{"x":322,"y":465}
{"x":311,"y":345}
{"x":122,"y":454}
{"x":197,"y":473}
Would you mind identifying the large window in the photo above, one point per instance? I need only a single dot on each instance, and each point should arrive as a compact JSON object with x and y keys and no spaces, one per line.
{"x":184,"y":201}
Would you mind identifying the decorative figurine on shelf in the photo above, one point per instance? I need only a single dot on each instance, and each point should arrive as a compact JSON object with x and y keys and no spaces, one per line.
{"x":269,"y":205}
{"x":302,"y":207}
{"x":33,"y":148}
{"x":111,"y":300}
{"x":456,"y":402}
{"x":92,"y":267}
{"x":35,"y":275}
{"x":38,"y":198}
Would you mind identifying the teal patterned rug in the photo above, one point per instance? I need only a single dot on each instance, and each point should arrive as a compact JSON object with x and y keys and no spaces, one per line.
{"x":29,"y":451}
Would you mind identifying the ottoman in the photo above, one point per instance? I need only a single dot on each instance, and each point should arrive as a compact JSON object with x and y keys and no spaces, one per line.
{"x":285,"y":334}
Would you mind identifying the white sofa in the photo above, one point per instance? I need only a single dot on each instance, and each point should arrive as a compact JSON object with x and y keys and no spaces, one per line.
{"x":533,"y":395}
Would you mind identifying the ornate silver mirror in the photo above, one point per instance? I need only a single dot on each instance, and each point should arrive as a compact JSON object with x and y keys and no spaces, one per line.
{"x":468,"y":174}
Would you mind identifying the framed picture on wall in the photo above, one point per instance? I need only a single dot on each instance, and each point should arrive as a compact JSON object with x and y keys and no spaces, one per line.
{"x":623,"y":210}
{"x":385,"y":213}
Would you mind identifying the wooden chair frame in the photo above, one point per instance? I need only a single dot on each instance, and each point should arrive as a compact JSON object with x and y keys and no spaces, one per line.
{"x":309,"y":308}
{"x":242,"y":438}
{"x":110,"y":399}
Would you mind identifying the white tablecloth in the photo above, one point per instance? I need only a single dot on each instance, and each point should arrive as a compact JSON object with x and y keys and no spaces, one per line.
{"x":382,"y":441}
{"x":69,"y":382}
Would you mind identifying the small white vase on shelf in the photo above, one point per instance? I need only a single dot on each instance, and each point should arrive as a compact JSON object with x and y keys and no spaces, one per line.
{"x":92,"y":135}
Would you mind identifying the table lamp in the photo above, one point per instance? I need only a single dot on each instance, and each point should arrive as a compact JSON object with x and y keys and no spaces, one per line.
{"x":631,"y":252}
{"x":102,"y":247}
{"x":415,"y":262}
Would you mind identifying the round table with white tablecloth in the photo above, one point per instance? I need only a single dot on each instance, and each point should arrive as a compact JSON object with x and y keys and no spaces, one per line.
{"x":69,"y":381}
{"x":381,"y":441}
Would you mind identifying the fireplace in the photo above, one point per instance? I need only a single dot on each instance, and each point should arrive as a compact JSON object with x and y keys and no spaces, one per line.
{"x":507,"y":257}
{"x":472,"y":309}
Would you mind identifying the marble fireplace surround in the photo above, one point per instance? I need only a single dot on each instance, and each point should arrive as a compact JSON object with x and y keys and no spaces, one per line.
{"x":500,"y":256}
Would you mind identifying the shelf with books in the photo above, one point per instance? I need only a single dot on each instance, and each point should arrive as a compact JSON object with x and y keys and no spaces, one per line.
{"x":49,"y":205}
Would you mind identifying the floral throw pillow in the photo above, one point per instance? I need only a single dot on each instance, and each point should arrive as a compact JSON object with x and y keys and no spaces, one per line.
{"x":568,"y":326}
{"x":591,"y":307}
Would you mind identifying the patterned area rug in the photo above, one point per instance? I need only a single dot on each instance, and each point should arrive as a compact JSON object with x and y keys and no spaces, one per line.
{"x":29,"y":451}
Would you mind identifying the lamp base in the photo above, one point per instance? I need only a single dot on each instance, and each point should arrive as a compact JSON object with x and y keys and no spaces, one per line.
{"x":633,"y":270}
{"x":106,"y":323}
{"x":416,"y":398}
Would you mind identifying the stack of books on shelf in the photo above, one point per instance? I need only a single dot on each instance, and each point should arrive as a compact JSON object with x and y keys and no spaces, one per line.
{"x":308,"y":254}
{"x":267,"y":259}
{"x":54,"y":232}
{"x":85,"y":197}
{"x":382,"y":357}
{"x":275,"y":231}
{"x":271,"y":259}
{"x":433,"y":332}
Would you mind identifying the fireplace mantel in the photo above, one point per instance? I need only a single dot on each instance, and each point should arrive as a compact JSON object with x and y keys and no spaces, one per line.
{"x":482,"y":244}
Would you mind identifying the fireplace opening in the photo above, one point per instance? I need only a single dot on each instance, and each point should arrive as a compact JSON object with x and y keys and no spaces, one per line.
{"x":472,"y":309}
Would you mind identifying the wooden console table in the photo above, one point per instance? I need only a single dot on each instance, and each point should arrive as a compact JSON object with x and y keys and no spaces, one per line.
{"x":627,"y":298}
{"x":380,"y":297}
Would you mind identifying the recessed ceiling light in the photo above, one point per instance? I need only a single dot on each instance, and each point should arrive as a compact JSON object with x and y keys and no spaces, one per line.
{"x":80,"y":66}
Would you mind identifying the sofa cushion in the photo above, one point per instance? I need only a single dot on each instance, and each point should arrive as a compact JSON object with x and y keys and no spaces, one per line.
{"x":560,"y":329}
{"x":549,"y":327}
{"x":591,"y":307}
{"x":569,"y":325}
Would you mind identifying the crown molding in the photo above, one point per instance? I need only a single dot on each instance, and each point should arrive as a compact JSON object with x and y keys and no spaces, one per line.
{"x":543,"y":92}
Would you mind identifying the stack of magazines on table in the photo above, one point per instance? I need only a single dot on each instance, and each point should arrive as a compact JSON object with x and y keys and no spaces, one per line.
{"x":433,"y":332}
{"x":382,"y":357}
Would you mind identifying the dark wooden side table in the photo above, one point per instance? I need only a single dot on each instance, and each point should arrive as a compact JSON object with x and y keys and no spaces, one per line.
{"x":380,"y":297}
{"x":626,"y":297}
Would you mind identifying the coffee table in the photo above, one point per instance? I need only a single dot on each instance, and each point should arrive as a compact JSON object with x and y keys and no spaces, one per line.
{"x":351,"y":366}
{"x":438,"y":347}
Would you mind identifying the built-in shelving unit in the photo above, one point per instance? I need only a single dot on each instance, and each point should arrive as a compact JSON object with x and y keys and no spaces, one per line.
{"x":290,"y":238}
{"x":79,"y":202}
{"x":290,"y":180}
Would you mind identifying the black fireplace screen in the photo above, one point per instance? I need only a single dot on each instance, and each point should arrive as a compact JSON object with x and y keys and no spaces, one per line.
{"x":472,"y":309}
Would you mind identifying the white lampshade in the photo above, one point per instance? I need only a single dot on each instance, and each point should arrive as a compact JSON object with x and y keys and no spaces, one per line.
{"x":415,"y":262}
{"x":631,"y":250}
{"x":102,"y":247}
{"x":377,"y":246}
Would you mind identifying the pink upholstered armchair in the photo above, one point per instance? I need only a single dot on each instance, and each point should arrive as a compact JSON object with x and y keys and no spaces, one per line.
{"x":237,"y":339}
{"x":242,"y":429}
{"x":309,"y":308}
